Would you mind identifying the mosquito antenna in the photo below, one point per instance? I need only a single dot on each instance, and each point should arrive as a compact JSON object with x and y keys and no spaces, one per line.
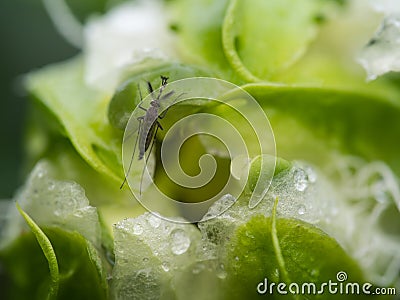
{"x":147,"y":157}
{"x":149,"y":87}
{"x":140,"y":92}
{"x":133,"y":154}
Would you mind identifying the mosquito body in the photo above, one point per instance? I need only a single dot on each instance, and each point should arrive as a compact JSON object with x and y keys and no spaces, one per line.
{"x":149,"y":124}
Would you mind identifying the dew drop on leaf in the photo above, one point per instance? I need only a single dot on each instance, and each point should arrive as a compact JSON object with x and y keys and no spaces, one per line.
{"x":180,"y":242}
{"x":198,"y":268}
{"x":311,"y":174}
{"x":300,"y":180}
{"x":301,"y":210}
{"x":137,"y":229}
{"x":165,"y":266}
{"x":154,"y":221}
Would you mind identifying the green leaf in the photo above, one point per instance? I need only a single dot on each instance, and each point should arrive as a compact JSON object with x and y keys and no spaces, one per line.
{"x":83,"y":9}
{"x":69,"y":165}
{"x":80,"y":276}
{"x":280,"y":248}
{"x":48,"y":252}
{"x":263,"y":38}
{"x":134,"y":90}
{"x":198,"y":25}
{"x":82,"y":113}
{"x":269,"y":163}
{"x":277,"y":247}
{"x":70,"y":237}
{"x":316,"y":124}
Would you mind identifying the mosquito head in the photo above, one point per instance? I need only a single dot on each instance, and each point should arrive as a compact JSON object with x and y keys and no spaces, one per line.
{"x":164,"y":80}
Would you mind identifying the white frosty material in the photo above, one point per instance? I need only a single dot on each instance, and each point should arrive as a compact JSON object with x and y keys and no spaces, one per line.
{"x":386,"y":6}
{"x":298,"y":194}
{"x":150,"y":253}
{"x":302,"y":194}
{"x":51,"y":202}
{"x":382,"y":54}
{"x":371,"y":193}
{"x":125,"y":36}
{"x":220,"y":206}
{"x":352,"y":208}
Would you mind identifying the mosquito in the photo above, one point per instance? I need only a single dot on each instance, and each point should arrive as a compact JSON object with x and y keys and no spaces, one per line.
{"x":149,"y":124}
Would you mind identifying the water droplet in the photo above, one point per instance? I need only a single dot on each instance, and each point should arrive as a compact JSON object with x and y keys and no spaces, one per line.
{"x":40,"y":174}
{"x":165,"y":266}
{"x":301,"y":210}
{"x":237,"y":258}
{"x":180,"y":242}
{"x":145,"y":259}
{"x":220,"y":206}
{"x":198,"y":268}
{"x":154,"y":221}
{"x":300,"y":180}
{"x":311,"y":174}
{"x":221,"y":273}
{"x":137,"y":229}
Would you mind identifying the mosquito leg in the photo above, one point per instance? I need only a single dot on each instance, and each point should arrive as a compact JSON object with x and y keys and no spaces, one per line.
{"x":142,"y":108}
{"x":162,"y":115}
{"x":141,"y":98}
{"x":148,"y":156}
{"x":140,"y":119}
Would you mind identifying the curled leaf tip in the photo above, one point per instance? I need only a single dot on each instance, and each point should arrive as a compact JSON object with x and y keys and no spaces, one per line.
{"x":48,"y":252}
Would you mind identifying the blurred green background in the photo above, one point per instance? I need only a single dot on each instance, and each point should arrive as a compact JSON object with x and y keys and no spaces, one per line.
{"x":29,"y":41}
